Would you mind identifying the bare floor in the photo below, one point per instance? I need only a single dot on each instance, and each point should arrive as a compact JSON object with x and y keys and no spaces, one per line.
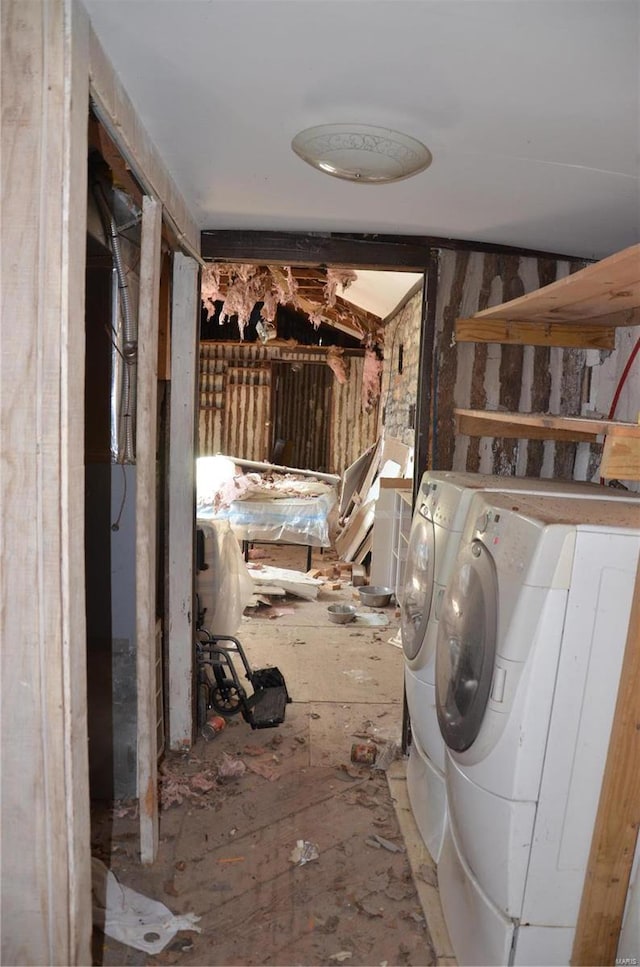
{"x":226,"y":844}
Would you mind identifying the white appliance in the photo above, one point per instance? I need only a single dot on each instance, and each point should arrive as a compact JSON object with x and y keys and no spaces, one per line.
{"x":530,"y":645}
{"x":440,"y":513}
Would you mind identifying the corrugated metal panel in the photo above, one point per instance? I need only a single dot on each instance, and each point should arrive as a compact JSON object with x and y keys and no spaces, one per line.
{"x":494,"y":376}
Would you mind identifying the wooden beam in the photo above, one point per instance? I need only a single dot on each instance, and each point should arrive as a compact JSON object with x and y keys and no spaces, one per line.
{"x":402,"y":252}
{"x":314,"y":248}
{"x":328,"y":313}
{"x":185,"y":314}
{"x":46,"y":871}
{"x":618,"y":818}
{"x":527,"y":332}
{"x":146,"y":420}
{"x":538,"y":426}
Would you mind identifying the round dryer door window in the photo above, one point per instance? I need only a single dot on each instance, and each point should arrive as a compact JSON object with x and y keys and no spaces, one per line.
{"x":466,"y":646}
{"x":418,"y":585}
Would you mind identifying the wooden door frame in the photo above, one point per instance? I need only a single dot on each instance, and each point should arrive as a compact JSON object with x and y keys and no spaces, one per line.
{"x":414,"y":253}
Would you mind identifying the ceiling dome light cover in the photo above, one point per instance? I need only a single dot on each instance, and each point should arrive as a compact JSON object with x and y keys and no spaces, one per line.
{"x":361,"y":152}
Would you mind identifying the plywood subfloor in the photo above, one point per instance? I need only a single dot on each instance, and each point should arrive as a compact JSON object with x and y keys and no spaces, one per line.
{"x":225,"y":854}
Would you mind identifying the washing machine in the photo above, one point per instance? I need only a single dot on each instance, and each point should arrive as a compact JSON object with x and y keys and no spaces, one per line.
{"x":440,"y":514}
{"x":530,"y":644}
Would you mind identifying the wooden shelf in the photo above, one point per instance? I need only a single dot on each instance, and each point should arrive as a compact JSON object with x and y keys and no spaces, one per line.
{"x":621,"y":454}
{"x":581,"y":310}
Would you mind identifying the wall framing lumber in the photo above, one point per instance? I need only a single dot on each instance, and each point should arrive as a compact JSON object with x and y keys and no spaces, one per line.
{"x":114,"y":109}
{"x":185,"y":315}
{"x":146,"y":420}
{"x":46,"y":872}
{"x":528,"y":333}
{"x":618,"y":818}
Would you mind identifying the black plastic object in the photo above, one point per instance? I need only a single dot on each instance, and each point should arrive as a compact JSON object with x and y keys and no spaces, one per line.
{"x":264,"y":708}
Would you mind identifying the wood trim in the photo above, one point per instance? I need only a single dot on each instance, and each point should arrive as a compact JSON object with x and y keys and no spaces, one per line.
{"x":185,"y":314}
{"x":146,"y":422}
{"x":529,"y":333}
{"x":618,"y":818}
{"x":538,"y":426}
{"x":46,"y":872}
{"x":116,"y":112}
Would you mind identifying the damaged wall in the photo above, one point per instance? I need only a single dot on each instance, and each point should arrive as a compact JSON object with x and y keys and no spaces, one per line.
{"x":514,"y":378}
{"x":236,"y":402}
{"x":400,"y":372}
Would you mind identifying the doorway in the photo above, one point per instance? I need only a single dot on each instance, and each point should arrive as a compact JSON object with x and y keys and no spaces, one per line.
{"x":301,"y":400}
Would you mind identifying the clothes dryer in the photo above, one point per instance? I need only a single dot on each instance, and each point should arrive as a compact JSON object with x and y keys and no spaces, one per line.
{"x":529,"y":651}
{"x":439,"y":517}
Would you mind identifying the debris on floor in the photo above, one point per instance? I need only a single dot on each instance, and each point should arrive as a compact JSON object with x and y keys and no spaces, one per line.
{"x":303,"y":852}
{"x":132,"y":918}
{"x":226,"y":836}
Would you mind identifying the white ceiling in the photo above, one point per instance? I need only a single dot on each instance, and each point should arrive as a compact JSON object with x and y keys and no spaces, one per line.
{"x":530,"y":107}
{"x":379,"y":292}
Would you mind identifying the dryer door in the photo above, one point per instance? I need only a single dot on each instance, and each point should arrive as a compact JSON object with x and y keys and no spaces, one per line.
{"x":418,"y":584}
{"x":466,"y":646}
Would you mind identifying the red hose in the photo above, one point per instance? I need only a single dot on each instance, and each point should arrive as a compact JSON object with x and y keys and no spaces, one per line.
{"x":622,"y":380}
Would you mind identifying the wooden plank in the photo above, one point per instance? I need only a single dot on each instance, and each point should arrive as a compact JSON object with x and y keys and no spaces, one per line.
{"x":46,"y":882}
{"x":531,"y":333}
{"x":353,"y":477}
{"x":607,"y":289}
{"x":396,"y":483}
{"x":185,"y":311}
{"x":146,"y":420}
{"x":364,"y":548}
{"x":618,"y":818}
{"x":620,"y":456}
{"x":537,"y":426}
{"x":115,"y":110}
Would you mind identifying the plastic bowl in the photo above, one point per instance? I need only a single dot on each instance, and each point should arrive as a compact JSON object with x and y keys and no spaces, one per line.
{"x":341,"y":614}
{"x":375,"y":597}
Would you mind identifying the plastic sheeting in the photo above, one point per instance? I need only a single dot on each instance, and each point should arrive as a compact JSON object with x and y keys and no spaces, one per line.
{"x":226,"y":587}
{"x":286,"y":520}
{"x":130,"y":917}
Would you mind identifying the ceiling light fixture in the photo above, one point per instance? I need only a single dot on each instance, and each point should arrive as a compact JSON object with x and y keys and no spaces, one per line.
{"x":361,"y":152}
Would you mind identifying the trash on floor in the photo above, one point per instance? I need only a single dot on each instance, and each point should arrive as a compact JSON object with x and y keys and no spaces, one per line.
{"x":379,"y":841}
{"x":231,"y":767}
{"x":388,"y":755}
{"x":132,"y":918}
{"x":303,"y":852}
{"x":264,"y":770}
{"x":372,"y":619}
{"x":364,"y":752}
